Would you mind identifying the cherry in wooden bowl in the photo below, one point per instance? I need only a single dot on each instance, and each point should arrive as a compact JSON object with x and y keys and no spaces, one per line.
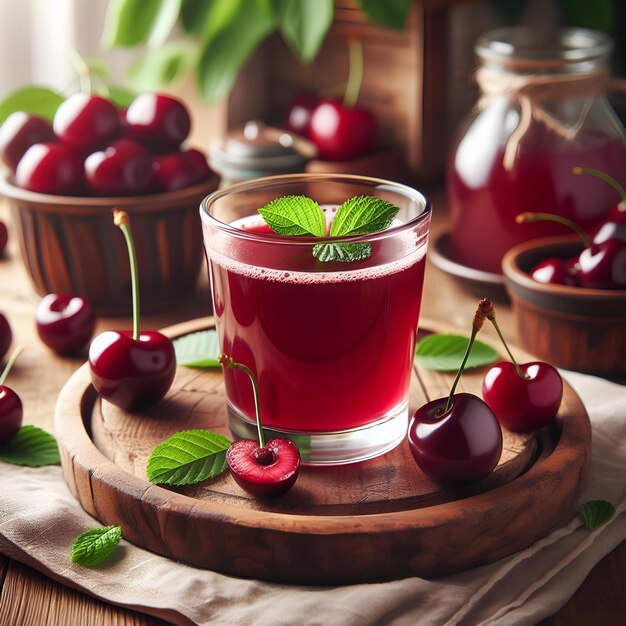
{"x":569,"y":326}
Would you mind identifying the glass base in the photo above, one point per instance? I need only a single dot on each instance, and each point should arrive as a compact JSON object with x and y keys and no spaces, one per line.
{"x":334,"y":448}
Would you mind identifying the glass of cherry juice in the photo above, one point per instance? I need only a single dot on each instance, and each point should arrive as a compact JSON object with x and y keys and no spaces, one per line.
{"x":331,"y":342}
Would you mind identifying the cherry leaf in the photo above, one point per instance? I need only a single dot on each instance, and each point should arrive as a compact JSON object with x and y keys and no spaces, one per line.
{"x":95,"y":545}
{"x":31,"y":446}
{"x":199,"y":349}
{"x":596,"y":513}
{"x":188,"y":457}
{"x":294,"y":215}
{"x":444,"y":353}
{"x":362,"y":215}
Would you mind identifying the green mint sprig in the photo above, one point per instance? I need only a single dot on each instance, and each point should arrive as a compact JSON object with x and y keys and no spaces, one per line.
{"x":95,"y":545}
{"x":361,"y":215}
{"x":596,"y":513}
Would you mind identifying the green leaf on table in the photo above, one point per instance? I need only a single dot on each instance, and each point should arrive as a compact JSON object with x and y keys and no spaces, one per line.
{"x":40,"y":101}
{"x":596,"y":513}
{"x":363,"y":215}
{"x":388,"y":13}
{"x":304,"y":24}
{"x":31,"y":446}
{"x":207,"y":17}
{"x":188,"y":457}
{"x":160,"y":68}
{"x":294,"y":215}
{"x":95,"y":545}
{"x":199,"y":349}
{"x":132,"y":22}
{"x":444,"y":353}
{"x":224,"y":53}
{"x":342,"y":252}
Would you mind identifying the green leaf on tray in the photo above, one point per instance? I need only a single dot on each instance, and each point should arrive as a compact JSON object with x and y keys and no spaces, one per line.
{"x":188,"y":457}
{"x":596,"y":513}
{"x":444,"y":353}
{"x":31,"y":446}
{"x":199,"y":349}
{"x":36,"y":100}
{"x":95,"y":545}
{"x":294,"y":215}
{"x":304,"y":24}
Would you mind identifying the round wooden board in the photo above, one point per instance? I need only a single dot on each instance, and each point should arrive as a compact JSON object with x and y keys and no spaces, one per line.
{"x":369,"y":521}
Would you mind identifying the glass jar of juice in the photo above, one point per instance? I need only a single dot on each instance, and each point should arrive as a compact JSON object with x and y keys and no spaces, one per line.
{"x":543,"y":110}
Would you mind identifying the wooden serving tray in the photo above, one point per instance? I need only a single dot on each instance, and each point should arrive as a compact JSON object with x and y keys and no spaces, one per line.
{"x":370,"y":521}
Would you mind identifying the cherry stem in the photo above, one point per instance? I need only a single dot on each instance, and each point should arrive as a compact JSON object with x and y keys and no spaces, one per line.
{"x":355,"y":73}
{"x":9,"y":365}
{"x":83,"y":71}
{"x":525,"y":218}
{"x":607,"y":178}
{"x":490,"y":314}
{"x":120,"y":219}
{"x":227,"y":361}
{"x":477,"y":324}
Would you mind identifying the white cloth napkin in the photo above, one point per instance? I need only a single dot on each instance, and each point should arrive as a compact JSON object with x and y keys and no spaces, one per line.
{"x":39,"y":519}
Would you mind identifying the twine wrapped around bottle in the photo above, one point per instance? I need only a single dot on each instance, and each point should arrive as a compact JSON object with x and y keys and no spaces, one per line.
{"x":530,"y":90}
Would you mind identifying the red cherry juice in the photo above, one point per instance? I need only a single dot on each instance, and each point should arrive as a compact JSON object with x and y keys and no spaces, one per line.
{"x":331,"y":343}
{"x":484,"y":197}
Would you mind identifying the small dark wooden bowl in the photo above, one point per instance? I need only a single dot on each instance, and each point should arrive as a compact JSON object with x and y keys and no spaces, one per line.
{"x":572,"y":327}
{"x":70,"y":245}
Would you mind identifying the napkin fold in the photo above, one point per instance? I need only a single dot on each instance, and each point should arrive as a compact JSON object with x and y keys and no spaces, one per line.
{"x":39,"y":519}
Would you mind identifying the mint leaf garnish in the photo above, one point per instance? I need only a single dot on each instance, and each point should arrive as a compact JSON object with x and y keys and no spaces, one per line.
{"x":294,"y":215}
{"x":199,"y":349}
{"x":95,"y":545}
{"x":188,"y":457}
{"x":596,"y":513}
{"x":444,"y":353}
{"x":343,"y":252}
{"x":31,"y":446}
{"x":363,"y":215}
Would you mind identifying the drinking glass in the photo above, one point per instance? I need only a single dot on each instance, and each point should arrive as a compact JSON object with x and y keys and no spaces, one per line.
{"x":331,"y":342}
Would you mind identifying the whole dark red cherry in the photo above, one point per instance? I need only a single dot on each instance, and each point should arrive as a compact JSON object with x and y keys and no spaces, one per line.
{"x":554,"y":271}
{"x":131,"y":369}
{"x":265,"y":470}
{"x":158,"y":121}
{"x":132,"y":373}
{"x":523,"y":403}
{"x":298,"y":113}
{"x":341,"y":133}
{"x":122,"y":169}
{"x":11,"y":411}
{"x":176,"y":170}
{"x":603,"y":265}
{"x":458,"y":445}
{"x":86,"y":122}
{"x":19,"y":132}
{"x":6,"y":336}
{"x":50,"y":168}
{"x":65,"y":323}
{"x":4,"y":238}
{"x":198,"y":164}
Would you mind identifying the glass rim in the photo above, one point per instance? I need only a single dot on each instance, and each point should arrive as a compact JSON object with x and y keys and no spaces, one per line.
{"x":308,"y":240}
{"x":571,"y":45}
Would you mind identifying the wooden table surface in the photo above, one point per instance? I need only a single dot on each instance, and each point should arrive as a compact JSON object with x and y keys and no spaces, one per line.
{"x":29,"y":598}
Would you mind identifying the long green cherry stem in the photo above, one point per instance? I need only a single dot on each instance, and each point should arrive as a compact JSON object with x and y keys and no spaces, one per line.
{"x":477,"y":324}
{"x":120,"y":219}
{"x":490,"y":313}
{"x":529,"y":216}
{"x":10,"y":363}
{"x":607,"y":178}
{"x":83,"y":70}
{"x":355,"y":74}
{"x":227,"y":361}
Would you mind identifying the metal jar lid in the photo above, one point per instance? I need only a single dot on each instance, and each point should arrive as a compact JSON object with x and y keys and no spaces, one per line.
{"x":259,"y":150}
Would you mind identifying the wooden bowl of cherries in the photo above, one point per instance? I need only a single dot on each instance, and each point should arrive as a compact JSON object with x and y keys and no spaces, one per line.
{"x":569,"y":293}
{"x":64,"y":177}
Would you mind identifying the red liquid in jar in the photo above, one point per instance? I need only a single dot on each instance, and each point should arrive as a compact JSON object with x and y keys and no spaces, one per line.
{"x":331,"y":350}
{"x":484,"y":197}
